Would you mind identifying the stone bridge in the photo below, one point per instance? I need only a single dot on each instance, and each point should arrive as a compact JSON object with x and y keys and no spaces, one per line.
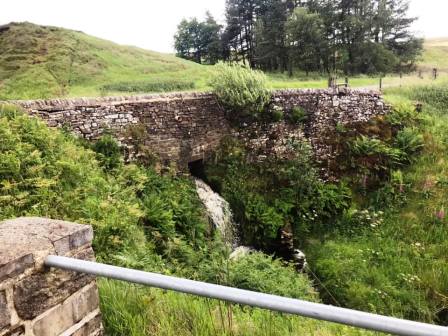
{"x":184,"y":127}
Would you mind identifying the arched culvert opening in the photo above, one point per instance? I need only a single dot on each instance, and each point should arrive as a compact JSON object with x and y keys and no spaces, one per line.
{"x":197,"y":169}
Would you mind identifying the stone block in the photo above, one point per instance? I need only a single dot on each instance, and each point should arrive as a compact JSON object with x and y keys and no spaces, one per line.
{"x":16,"y":265}
{"x":91,"y":328}
{"x":38,"y":292}
{"x":24,"y":239}
{"x":16,"y":331}
{"x":69,"y":313}
{"x":5,"y":315}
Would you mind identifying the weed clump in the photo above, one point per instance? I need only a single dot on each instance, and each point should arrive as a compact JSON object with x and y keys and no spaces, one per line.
{"x":243,"y":90}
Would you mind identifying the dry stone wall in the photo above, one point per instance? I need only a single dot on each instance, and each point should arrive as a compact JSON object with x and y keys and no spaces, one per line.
{"x":39,"y":301}
{"x":185,"y":127}
{"x":326,"y":110}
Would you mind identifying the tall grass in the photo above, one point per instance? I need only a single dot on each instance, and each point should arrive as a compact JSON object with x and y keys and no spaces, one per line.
{"x":401,"y":267}
{"x":149,"y":86}
{"x":134,"y":311}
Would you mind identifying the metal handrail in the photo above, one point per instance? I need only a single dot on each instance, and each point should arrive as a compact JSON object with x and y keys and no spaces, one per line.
{"x":266,"y":301}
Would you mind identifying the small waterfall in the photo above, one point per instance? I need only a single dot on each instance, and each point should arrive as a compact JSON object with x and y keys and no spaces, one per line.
{"x":219,"y":212}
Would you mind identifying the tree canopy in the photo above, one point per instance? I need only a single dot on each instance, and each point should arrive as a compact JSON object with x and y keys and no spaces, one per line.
{"x":349,"y":36}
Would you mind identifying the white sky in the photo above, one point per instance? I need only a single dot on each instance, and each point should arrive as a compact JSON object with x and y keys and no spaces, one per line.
{"x":151,"y":24}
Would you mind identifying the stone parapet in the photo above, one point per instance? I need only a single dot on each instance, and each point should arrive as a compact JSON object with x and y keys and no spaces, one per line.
{"x":39,"y":301}
{"x":184,"y":127}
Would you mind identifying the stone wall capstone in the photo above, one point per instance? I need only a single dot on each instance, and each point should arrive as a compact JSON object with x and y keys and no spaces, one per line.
{"x":39,"y":301}
{"x":184,"y":127}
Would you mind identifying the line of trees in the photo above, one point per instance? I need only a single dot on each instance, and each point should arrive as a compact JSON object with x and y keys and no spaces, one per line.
{"x":326,"y":36}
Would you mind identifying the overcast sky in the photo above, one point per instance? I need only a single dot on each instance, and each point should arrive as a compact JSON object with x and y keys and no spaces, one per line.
{"x":151,"y":24}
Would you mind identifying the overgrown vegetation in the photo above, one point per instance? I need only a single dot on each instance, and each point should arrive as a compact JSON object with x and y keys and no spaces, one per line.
{"x":240,"y":88}
{"x":149,"y":86}
{"x":377,"y":245}
{"x":395,"y":264}
{"x":275,"y":194}
{"x":126,"y":312}
{"x":146,"y":221}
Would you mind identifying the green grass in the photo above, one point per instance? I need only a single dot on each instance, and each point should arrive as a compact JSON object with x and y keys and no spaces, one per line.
{"x":44,"y":62}
{"x":401,"y":267}
{"x":435,"y":55}
{"x":282,"y":81}
{"x":134,"y":311}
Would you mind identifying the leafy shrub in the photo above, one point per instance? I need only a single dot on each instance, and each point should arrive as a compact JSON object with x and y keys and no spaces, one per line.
{"x":262,"y":221}
{"x":277,"y":114}
{"x":402,"y":115}
{"x":298,"y":115}
{"x":374,"y":153}
{"x":262,"y":273}
{"x":340,"y":128}
{"x":240,"y":88}
{"x":161,"y":85}
{"x":410,"y":142}
{"x":365,"y":146}
{"x":274,"y":194}
{"x":172,"y":209}
{"x":109,"y":152}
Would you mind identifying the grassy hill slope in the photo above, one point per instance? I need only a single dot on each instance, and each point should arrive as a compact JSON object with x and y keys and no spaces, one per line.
{"x":41,"y":62}
{"x":435,"y":55}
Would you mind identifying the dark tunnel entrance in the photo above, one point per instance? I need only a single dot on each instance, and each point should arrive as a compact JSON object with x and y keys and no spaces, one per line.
{"x":197,"y":169}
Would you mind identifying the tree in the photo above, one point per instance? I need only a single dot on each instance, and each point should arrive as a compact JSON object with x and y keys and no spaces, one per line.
{"x":392,"y":29}
{"x":270,"y":37}
{"x":188,"y":40}
{"x":211,"y":39}
{"x":241,"y":19}
{"x":306,"y":40}
{"x":199,"y":41}
{"x":368,"y":36}
{"x":349,"y":36}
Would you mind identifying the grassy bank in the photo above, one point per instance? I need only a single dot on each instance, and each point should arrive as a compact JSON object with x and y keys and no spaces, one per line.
{"x":44,"y":62}
{"x":401,"y":267}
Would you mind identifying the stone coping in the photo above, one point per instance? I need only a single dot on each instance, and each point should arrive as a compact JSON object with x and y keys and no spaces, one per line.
{"x":24,"y":242}
{"x":66,"y":103}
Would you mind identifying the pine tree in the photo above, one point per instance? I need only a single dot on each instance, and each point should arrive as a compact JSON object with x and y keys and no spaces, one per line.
{"x":306,"y":40}
{"x":349,"y":36}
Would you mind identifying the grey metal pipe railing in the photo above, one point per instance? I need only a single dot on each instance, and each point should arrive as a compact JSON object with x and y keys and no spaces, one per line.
{"x":266,"y":301}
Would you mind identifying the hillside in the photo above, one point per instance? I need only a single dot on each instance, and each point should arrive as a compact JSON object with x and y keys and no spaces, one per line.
{"x":41,"y":62}
{"x":435,"y":55}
